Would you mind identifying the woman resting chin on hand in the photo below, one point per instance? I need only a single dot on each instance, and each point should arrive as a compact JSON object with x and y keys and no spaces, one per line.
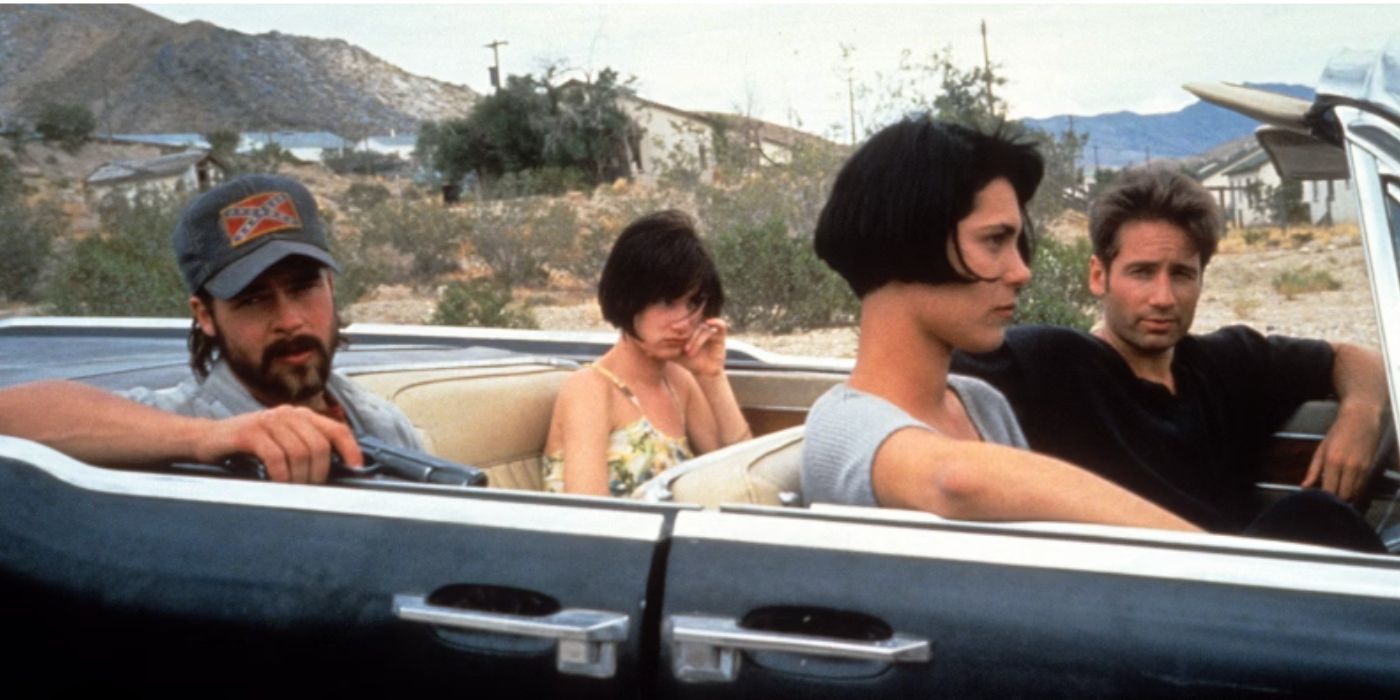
{"x":659,"y":395}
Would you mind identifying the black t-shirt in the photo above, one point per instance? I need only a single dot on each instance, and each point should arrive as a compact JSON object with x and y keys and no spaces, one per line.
{"x":1191,"y":452}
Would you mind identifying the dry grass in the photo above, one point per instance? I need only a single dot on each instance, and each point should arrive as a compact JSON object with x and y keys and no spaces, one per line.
{"x":1303,"y":280}
{"x":1257,"y":238}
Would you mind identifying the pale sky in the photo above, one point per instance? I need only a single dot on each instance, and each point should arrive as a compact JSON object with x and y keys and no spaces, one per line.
{"x":783,"y":62}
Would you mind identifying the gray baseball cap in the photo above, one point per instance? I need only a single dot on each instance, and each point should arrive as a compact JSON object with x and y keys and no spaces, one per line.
{"x":234,"y":232}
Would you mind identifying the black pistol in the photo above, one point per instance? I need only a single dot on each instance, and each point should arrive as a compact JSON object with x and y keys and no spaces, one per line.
{"x":380,"y":458}
{"x":410,"y":465}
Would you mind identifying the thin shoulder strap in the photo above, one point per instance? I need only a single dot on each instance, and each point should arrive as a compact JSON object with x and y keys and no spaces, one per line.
{"x":618,"y":383}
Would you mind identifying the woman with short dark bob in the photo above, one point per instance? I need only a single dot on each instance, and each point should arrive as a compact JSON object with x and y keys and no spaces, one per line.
{"x":927,"y":223}
{"x":660,"y":394}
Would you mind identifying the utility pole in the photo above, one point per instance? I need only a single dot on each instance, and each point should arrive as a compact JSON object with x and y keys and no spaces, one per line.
{"x":987,"y":67}
{"x":851,"y":94}
{"x":495,"y":69}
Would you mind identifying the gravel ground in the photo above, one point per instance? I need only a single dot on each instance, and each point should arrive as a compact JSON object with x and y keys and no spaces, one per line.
{"x":1237,"y":290}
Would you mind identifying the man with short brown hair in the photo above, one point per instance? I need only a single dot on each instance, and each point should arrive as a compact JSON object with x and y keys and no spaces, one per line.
{"x":1175,"y":417}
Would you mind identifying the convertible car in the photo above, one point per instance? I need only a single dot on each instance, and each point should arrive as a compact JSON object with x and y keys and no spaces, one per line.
{"x":715,"y":581}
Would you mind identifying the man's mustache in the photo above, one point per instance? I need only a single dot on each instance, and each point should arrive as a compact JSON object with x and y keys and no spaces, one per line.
{"x":292,"y":346}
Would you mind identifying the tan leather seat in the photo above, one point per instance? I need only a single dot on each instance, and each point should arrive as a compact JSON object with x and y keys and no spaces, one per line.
{"x":766,"y":470}
{"x":492,"y":416}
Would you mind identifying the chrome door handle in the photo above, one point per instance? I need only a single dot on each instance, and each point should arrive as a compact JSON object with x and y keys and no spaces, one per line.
{"x":587,"y":639}
{"x":706,"y":649}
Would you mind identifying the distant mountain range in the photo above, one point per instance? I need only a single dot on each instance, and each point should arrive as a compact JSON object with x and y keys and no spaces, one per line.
{"x":139,"y":72}
{"x":1121,"y":138}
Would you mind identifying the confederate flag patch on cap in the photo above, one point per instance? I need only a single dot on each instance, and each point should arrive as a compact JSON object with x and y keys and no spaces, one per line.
{"x":258,"y":215}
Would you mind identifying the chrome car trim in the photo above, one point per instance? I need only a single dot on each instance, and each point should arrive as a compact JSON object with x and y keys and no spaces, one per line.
{"x":122,"y":322}
{"x":1367,"y":170}
{"x":706,"y":649}
{"x":1084,"y":532}
{"x":1349,"y":574}
{"x":564,"y":518}
{"x":587,"y":639}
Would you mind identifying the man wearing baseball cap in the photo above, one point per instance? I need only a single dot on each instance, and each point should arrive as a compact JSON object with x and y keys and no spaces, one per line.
{"x":254,"y":258}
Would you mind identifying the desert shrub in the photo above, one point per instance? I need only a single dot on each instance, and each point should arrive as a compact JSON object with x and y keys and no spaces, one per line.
{"x":1059,"y":292}
{"x":794,"y":193}
{"x":363,"y":195}
{"x":519,"y":238}
{"x":27,"y":235}
{"x":343,"y":162}
{"x":360,"y":272}
{"x":1255,"y":236}
{"x":427,"y":238}
{"x":479,"y":302}
{"x":774,"y":281}
{"x":1303,"y":280}
{"x":68,"y":125}
{"x":544,"y":180}
{"x":128,"y":267}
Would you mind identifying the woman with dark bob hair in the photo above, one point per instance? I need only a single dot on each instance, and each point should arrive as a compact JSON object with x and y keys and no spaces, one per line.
{"x":659,"y":395}
{"x":927,"y":223}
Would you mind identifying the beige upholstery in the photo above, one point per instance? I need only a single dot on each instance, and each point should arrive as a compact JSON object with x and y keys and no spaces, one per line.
{"x":495,"y":417}
{"x":764,"y":471}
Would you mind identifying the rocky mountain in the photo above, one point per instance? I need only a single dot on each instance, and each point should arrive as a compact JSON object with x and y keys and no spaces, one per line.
{"x":139,"y":72}
{"x":1127,"y":137}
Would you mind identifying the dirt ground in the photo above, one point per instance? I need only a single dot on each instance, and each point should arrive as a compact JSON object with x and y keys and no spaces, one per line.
{"x":1237,"y":290}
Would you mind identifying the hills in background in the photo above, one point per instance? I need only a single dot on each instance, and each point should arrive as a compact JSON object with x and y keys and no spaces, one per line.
{"x":139,"y":72}
{"x":1121,"y":138}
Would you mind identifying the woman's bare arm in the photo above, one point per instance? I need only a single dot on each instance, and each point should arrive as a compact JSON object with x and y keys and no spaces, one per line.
{"x":922,"y":470}
{"x":582,"y":414}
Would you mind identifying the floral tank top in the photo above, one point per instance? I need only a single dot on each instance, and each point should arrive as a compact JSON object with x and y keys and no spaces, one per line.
{"x":636,"y":452}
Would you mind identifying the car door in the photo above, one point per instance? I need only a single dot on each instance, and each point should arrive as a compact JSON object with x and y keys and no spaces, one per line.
{"x":853,"y":602}
{"x":122,"y":579}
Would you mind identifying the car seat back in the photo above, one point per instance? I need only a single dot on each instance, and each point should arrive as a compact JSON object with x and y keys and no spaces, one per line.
{"x":766,"y":470}
{"x":492,"y":416}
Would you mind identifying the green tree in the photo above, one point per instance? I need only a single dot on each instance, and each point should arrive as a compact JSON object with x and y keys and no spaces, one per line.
{"x":223,"y":144}
{"x":68,"y":125}
{"x":538,"y":133}
{"x":588,"y":129}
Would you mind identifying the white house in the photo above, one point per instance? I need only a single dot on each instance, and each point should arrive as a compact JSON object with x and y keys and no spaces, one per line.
{"x":1238,"y":184}
{"x":188,"y":171}
{"x":1330,"y":201}
{"x":674,"y":137}
{"x":671,"y":137}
